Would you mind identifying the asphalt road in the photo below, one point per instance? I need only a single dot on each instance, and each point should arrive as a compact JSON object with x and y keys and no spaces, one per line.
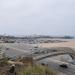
{"x":55,"y":65}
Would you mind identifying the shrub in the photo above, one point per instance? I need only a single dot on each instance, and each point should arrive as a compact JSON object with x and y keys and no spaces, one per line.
{"x":3,"y":62}
{"x":37,"y":70}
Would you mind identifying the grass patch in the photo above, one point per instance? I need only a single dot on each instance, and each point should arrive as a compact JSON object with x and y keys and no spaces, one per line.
{"x":36,"y":70}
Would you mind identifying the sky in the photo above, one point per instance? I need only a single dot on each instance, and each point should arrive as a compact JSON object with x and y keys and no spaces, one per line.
{"x":41,"y":17}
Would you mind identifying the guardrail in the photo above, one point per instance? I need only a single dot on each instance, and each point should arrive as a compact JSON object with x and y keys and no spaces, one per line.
{"x":70,"y":51}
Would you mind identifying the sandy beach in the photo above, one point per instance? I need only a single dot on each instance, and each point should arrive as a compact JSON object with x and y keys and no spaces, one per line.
{"x":69,"y":43}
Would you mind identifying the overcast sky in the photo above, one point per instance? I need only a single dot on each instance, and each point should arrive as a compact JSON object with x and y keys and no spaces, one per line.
{"x":26,"y":17}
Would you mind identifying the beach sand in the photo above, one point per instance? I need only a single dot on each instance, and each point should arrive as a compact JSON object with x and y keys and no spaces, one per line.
{"x":70,"y":44}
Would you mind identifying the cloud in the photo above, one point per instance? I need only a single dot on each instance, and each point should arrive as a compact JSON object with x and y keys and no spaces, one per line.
{"x":26,"y":7}
{"x":37,"y":16}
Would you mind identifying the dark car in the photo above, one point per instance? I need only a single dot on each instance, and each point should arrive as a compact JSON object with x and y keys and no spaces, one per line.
{"x":63,"y":66}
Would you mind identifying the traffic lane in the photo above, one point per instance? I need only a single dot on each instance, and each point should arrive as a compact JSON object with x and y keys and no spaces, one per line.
{"x":55,"y":65}
{"x":68,"y":71}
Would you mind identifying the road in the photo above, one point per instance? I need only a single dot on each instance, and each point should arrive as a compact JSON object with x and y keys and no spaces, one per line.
{"x":55,"y":65}
{"x":15,"y":50}
{"x":40,"y":57}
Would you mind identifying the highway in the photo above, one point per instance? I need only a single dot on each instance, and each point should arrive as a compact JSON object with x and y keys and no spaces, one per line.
{"x":55,"y":65}
{"x":43,"y":56}
{"x":40,"y":57}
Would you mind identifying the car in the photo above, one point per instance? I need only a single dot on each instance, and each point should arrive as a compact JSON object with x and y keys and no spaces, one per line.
{"x":63,"y":65}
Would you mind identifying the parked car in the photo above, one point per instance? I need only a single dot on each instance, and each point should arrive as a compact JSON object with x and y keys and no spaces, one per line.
{"x":63,"y":65}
